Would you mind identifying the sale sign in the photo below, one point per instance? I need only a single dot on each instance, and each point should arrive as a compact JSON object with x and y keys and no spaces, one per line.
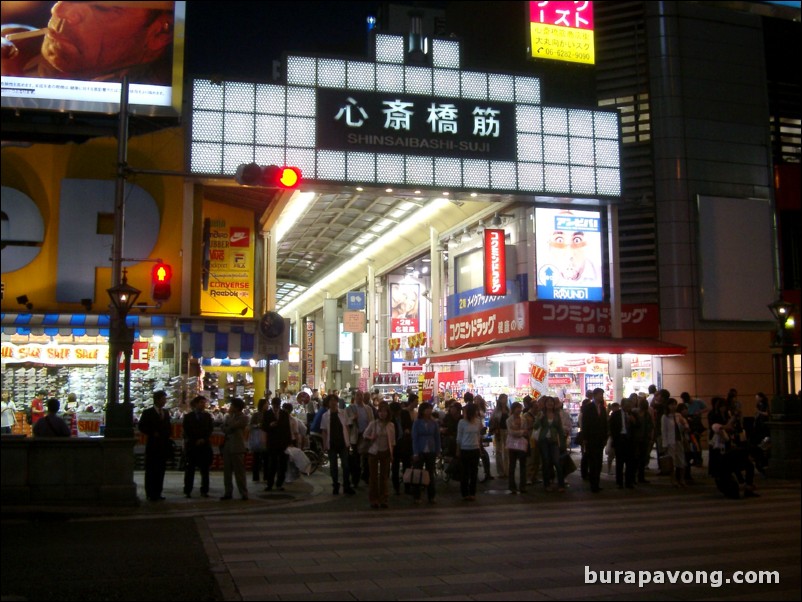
{"x":451,"y":381}
{"x":427,"y":391}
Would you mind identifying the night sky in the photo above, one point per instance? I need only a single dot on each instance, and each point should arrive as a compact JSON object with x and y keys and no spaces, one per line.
{"x":241,"y":39}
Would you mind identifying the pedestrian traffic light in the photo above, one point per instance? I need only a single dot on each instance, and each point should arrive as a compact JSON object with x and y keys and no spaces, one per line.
{"x":272,"y":176}
{"x":160,"y":278}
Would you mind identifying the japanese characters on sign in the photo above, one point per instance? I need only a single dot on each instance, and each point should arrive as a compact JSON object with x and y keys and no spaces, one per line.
{"x":569,"y":255}
{"x":473,"y":300}
{"x":495,"y":263}
{"x":354,"y":321}
{"x":593,"y":319}
{"x":411,"y":124}
{"x":562,"y":31}
{"x":502,"y":323}
{"x":309,"y":354}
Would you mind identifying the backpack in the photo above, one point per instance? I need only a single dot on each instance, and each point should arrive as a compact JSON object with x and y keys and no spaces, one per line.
{"x":29,"y":415}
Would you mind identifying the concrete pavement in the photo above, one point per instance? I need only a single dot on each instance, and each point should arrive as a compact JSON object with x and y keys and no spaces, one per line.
{"x":305,"y":544}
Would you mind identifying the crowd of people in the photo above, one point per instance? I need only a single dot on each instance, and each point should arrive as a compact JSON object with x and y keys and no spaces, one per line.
{"x":399,"y":444}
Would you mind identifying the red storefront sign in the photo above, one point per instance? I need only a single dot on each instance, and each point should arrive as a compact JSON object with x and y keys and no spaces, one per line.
{"x":140,"y":357}
{"x":495,"y":263}
{"x":427,"y":391}
{"x":556,"y":318}
{"x":499,"y":324}
{"x":451,"y":381}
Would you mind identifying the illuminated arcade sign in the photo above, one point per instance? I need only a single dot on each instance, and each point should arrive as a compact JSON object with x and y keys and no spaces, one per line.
{"x":386,"y":122}
{"x":495,"y":263}
{"x":415,"y":125}
{"x":569,"y":255}
{"x":562,"y":31}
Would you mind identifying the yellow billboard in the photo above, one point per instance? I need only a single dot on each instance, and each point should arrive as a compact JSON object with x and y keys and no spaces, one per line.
{"x":562,"y":31}
{"x":228,"y":261}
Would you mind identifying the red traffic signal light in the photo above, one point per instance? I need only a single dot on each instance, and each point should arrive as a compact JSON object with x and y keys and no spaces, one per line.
{"x":160,"y":278}
{"x":282,"y":177}
{"x":272,"y":176}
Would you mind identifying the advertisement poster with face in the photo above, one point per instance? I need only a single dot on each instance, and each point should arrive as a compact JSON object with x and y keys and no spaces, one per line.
{"x":73,"y":55}
{"x":569,"y":255}
{"x":404,"y":308}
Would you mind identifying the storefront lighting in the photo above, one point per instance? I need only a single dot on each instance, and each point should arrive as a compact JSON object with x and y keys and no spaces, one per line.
{"x":388,"y":190}
{"x":359,"y":189}
{"x":466,"y":236}
{"x":446,"y":193}
{"x":298,"y":204}
{"x":422,"y":215}
{"x":474,"y":195}
{"x":157,"y":340}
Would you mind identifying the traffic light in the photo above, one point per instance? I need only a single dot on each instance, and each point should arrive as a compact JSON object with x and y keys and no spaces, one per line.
{"x":160,"y":278}
{"x":272,"y":176}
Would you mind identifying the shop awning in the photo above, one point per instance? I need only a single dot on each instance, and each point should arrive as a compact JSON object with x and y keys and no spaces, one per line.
{"x":221,"y":339}
{"x":558,"y":344}
{"x":82,"y":324}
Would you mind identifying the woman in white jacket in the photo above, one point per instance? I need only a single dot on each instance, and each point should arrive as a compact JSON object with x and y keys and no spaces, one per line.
{"x":672,"y":429}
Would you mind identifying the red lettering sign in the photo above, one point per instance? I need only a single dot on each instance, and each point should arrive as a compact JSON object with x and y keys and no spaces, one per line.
{"x":495,"y":263}
{"x":451,"y":381}
{"x":499,"y":324}
{"x":577,"y":15}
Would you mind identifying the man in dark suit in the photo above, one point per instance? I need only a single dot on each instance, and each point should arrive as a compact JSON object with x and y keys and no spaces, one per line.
{"x":594,"y":435}
{"x":155,"y":423}
{"x":277,"y":426}
{"x":622,"y":428}
{"x":198,"y":427}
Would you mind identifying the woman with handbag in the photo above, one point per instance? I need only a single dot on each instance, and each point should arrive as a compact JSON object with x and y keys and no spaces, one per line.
{"x":425,"y":448}
{"x":469,"y":443}
{"x":381,"y":435}
{"x":517,"y":446}
{"x":551,"y":439}
{"x":257,"y":441}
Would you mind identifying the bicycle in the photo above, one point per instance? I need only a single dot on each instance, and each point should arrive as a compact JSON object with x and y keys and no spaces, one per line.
{"x":317,"y":457}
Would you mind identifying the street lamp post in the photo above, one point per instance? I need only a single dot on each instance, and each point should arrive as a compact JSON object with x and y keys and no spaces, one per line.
{"x":783,"y":347}
{"x":120,"y":416}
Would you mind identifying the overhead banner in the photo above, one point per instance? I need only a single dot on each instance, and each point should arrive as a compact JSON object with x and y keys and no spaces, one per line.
{"x":57,"y":355}
{"x":495,"y":263}
{"x":569,"y":255}
{"x":562,"y":31}
{"x":228,"y":261}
